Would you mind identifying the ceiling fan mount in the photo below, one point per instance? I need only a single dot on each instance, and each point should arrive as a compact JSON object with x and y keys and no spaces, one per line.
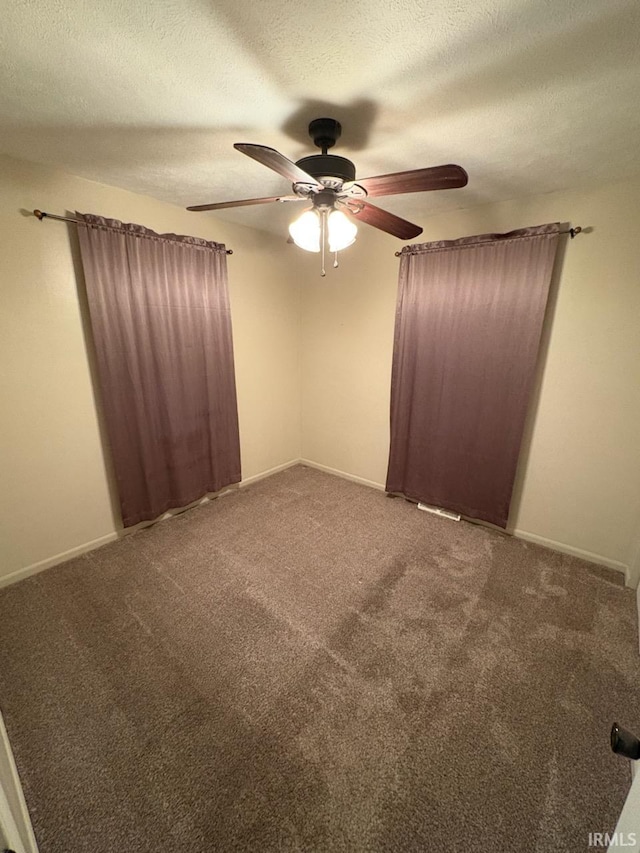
{"x":329,"y":169}
{"x":325,"y":132}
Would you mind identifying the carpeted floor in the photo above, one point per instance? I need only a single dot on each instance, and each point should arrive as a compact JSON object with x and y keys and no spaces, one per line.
{"x":307,"y":665}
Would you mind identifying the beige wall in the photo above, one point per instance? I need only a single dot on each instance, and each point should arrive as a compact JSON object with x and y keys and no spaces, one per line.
{"x":579,"y":481}
{"x":53,"y":486}
{"x":325,"y":345}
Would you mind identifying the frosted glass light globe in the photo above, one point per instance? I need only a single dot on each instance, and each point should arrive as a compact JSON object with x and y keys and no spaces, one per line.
{"x":342,"y":231}
{"x":305,"y":231}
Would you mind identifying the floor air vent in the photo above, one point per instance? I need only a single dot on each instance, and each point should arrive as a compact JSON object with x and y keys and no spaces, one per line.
{"x":436,"y":510}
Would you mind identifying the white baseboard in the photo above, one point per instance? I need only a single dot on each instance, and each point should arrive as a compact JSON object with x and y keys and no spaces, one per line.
{"x":634,"y":565}
{"x":15,"y":824}
{"x":577,"y":552}
{"x":630,"y":578}
{"x":56,"y":559}
{"x":41,"y":565}
{"x":269,"y":472}
{"x":630,"y":572}
{"x":343,"y":474}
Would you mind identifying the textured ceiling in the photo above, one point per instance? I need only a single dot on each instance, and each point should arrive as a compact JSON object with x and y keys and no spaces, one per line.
{"x":530,"y":96}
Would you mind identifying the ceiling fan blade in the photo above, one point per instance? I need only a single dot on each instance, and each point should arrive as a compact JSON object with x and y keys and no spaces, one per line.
{"x":416,"y":181}
{"x":385,"y":221}
{"x":272,"y":159}
{"x":245,"y":202}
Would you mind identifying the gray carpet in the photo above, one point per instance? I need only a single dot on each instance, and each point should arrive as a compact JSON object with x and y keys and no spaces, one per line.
{"x":307,"y":665}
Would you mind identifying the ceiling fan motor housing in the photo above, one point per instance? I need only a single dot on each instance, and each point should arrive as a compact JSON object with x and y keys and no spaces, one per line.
{"x":328,"y":166}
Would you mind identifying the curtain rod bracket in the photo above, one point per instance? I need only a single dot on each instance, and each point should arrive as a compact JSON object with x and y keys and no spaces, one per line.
{"x":41,"y":214}
{"x":571,"y":231}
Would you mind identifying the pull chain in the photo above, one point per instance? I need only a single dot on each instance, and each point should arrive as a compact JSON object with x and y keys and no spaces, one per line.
{"x":323,"y":236}
{"x":335,"y":261}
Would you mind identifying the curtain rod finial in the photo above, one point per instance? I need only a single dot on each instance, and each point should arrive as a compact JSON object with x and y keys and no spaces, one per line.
{"x":39,"y":214}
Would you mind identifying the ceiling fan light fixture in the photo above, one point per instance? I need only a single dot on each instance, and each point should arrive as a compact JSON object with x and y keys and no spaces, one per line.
{"x":305,"y":231}
{"x":329,"y":182}
{"x":342,"y":231}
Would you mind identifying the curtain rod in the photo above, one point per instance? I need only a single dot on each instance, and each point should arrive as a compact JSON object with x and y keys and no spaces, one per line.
{"x":572,"y":231}
{"x":41,"y":214}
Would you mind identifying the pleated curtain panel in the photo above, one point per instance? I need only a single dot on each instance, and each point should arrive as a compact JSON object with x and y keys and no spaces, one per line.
{"x":468,"y":326}
{"x":159,"y":310}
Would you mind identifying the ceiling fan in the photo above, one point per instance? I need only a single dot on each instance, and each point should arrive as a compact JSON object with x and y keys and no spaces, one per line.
{"x":337,"y":199}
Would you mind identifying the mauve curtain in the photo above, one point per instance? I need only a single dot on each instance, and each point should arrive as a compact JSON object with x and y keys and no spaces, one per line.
{"x":468,"y":324}
{"x":161,"y":324}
